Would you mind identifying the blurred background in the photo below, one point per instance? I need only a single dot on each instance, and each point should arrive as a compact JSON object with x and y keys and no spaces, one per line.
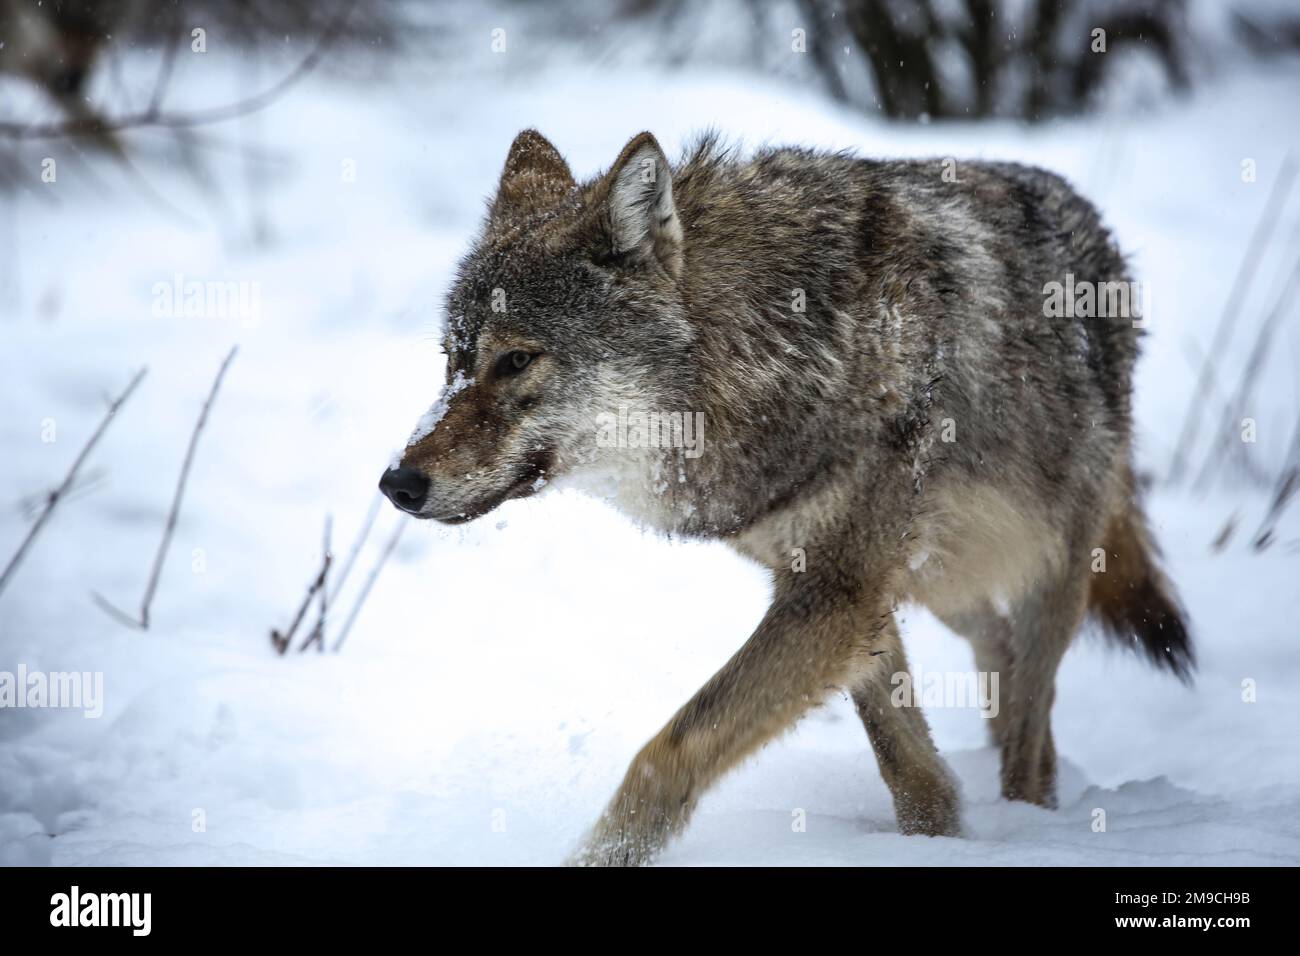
{"x":259,"y":204}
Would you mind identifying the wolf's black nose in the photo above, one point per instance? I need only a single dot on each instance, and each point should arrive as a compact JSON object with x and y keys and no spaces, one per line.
{"x":406,"y":488}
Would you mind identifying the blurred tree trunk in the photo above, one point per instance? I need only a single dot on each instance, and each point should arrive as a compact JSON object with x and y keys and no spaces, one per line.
{"x":982,"y":40}
{"x":1043,"y":68}
{"x":821,"y":46}
{"x":1051,"y":50}
{"x":897,"y":47}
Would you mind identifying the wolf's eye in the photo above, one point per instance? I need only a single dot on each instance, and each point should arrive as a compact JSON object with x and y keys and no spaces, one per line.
{"x":512,"y":363}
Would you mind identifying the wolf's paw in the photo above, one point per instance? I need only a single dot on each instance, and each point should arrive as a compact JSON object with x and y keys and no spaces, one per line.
{"x":1044,"y":797}
{"x":652,"y":804}
{"x":933,"y":812}
{"x":600,"y":850}
{"x":929,"y":821}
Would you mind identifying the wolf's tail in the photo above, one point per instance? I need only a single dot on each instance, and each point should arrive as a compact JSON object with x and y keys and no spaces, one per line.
{"x":1132,"y":599}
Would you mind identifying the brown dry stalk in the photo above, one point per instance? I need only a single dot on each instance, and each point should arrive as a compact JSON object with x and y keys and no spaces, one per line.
{"x":142,"y":623}
{"x":59,"y":493}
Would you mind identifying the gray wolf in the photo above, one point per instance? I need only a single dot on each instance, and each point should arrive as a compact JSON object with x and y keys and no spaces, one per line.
{"x":889,"y":416}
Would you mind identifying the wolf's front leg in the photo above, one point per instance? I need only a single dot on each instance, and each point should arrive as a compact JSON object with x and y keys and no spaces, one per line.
{"x":818,"y":630}
{"x":925,"y":794}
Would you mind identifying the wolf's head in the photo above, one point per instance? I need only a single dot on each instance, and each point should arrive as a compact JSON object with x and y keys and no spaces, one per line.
{"x":568,"y":307}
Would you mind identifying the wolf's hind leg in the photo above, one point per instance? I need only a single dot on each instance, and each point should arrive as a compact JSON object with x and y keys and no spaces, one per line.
{"x":925,"y":796}
{"x":1042,"y":627}
{"x":989,"y":634}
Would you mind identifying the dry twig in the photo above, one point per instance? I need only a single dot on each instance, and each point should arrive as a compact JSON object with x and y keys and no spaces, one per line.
{"x":281,"y":640}
{"x":142,"y":623}
{"x":1241,"y":286}
{"x":370,"y":581}
{"x":154,"y":115}
{"x":1250,"y":377}
{"x":59,"y":493}
{"x":317,"y":635}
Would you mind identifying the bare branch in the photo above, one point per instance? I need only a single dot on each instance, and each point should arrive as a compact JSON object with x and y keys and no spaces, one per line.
{"x":143,"y":622}
{"x":281,"y":641}
{"x":1225,"y":534}
{"x":1288,"y":484}
{"x":320,"y":587}
{"x":32,"y":505}
{"x":1241,"y":286}
{"x":370,"y":581}
{"x":175,"y":33}
{"x":153,"y":115}
{"x":61,"y":491}
{"x":317,"y":635}
{"x":342,"y":579}
{"x":1250,"y":375}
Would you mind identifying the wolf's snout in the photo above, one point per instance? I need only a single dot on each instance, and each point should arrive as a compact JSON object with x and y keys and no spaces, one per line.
{"x":406,"y":488}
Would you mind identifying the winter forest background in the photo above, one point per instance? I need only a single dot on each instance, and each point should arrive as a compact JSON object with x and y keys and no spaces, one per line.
{"x":440,"y":695}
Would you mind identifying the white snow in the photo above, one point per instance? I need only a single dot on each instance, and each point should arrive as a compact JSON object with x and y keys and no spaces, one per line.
{"x":503,"y":673}
{"x":438,"y":410}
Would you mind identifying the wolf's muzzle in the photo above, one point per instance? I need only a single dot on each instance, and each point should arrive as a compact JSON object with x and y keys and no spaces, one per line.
{"x":406,"y":488}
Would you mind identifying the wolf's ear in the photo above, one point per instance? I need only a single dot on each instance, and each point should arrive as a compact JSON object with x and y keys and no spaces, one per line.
{"x":535,"y":178}
{"x":643,"y":221}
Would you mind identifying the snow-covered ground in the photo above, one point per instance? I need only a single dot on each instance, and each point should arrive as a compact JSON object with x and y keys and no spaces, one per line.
{"x":501,"y":675}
